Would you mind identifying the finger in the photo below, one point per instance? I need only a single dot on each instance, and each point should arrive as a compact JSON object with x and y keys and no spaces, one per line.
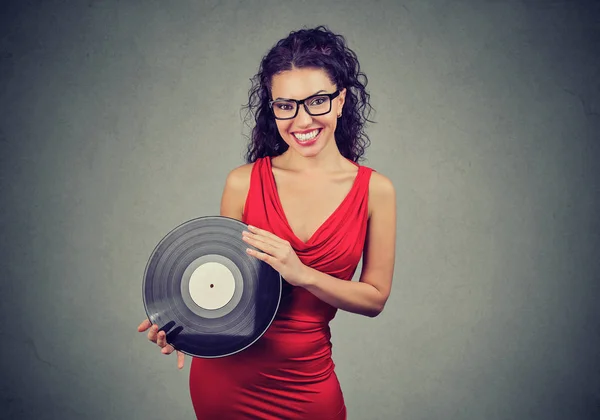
{"x":152,"y":332}
{"x":144,"y":325}
{"x":161,"y":339}
{"x":168,"y":349}
{"x":262,"y":256}
{"x":266,"y":233}
{"x":264,"y":244}
{"x":180,"y":359}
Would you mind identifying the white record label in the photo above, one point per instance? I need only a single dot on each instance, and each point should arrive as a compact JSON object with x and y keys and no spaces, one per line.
{"x":212,"y":285}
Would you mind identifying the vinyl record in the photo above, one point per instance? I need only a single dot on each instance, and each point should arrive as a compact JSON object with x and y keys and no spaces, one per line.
{"x":201,"y":287}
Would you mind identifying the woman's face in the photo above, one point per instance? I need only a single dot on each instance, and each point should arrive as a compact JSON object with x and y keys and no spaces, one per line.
{"x":306,"y":134}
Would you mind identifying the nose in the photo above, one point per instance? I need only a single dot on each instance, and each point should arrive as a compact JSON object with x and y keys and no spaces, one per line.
{"x":303,"y":118}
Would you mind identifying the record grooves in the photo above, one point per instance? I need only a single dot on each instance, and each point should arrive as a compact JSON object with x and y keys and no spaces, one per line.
{"x":203,"y":289}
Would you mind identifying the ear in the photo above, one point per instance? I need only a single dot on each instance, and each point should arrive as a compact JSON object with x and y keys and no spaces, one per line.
{"x":342,"y":97}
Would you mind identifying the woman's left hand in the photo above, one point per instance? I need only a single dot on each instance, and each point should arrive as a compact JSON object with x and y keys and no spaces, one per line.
{"x":276,"y":252}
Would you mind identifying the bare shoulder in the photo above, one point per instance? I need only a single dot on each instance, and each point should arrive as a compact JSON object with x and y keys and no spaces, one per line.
{"x":237,"y":185}
{"x":380,"y":184}
{"x":382,"y":192}
{"x":239,"y":178}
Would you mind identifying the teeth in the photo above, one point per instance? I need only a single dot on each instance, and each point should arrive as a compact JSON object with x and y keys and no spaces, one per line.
{"x":307,"y":136}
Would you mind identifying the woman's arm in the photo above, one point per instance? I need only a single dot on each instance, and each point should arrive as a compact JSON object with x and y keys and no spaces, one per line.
{"x":369,"y":295}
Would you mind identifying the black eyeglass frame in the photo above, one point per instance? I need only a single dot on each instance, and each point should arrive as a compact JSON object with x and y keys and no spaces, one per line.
{"x":299,"y":102}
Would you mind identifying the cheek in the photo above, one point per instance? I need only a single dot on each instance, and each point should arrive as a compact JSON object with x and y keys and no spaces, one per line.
{"x":330,"y":121}
{"x":283,"y":127}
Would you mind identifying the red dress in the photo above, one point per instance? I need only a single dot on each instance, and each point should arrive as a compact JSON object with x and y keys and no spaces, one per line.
{"x":288,"y":373}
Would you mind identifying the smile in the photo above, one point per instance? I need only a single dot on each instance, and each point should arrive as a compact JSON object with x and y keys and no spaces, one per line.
{"x":307,"y":136}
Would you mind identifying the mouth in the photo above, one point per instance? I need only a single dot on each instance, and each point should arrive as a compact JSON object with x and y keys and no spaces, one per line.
{"x":307,"y":137}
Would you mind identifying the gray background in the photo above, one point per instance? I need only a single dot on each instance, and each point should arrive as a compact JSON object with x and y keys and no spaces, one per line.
{"x":121,"y":119}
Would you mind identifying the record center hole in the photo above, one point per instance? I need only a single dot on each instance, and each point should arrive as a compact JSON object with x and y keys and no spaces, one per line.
{"x":212,"y":285}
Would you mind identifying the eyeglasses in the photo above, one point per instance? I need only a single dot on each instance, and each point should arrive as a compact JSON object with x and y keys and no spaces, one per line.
{"x":315,"y":105}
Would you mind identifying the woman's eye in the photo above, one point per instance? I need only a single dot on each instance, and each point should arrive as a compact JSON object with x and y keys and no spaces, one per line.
{"x":317,"y":101}
{"x":284,"y":106}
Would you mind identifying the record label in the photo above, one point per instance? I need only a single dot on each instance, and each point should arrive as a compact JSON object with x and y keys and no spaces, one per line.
{"x":211,"y":285}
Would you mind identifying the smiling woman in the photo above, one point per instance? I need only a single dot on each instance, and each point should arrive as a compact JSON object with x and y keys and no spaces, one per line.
{"x":312,"y":212}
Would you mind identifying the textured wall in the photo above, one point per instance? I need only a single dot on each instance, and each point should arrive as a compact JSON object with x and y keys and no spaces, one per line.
{"x":121,"y":119}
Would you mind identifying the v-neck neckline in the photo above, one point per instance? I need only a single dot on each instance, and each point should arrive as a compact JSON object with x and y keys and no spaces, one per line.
{"x":327,"y":220}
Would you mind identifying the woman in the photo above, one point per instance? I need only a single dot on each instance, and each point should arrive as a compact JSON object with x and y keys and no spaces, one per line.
{"x":312,"y":212}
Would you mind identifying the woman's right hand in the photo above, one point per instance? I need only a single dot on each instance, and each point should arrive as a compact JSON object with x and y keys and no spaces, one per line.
{"x":160,"y":338}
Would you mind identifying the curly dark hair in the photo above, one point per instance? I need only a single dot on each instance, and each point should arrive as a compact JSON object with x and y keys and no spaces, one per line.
{"x":314,"y":48}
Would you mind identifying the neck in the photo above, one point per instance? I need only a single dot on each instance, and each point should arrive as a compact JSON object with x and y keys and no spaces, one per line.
{"x":327,"y":160}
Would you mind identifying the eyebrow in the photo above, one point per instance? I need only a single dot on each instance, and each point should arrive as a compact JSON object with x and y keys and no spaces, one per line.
{"x":289,"y":99}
